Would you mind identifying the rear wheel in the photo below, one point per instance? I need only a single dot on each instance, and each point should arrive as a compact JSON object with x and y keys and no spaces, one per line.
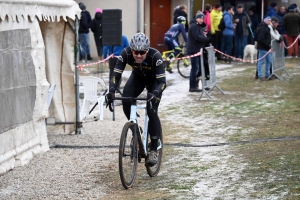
{"x":184,"y":67}
{"x":153,"y":170}
{"x":128,"y":154}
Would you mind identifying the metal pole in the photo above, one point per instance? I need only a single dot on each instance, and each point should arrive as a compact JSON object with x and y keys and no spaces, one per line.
{"x":78,"y":123}
{"x":139,"y":16}
{"x":191,"y":9}
{"x":203,"y":1}
{"x":262,"y":10}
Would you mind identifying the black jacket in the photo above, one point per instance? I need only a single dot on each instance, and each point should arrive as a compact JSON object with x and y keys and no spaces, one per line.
{"x":196,"y":38}
{"x":178,"y":12}
{"x":263,"y":37}
{"x":96,"y":25}
{"x":85,"y":22}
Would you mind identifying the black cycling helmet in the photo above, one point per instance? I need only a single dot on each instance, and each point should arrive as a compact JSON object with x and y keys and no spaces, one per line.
{"x":181,"y":19}
{"x":139,"y":42}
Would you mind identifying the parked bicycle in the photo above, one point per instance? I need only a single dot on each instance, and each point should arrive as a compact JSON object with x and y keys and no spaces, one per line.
{"x":183,"y":65}
{"x":135,"y":145}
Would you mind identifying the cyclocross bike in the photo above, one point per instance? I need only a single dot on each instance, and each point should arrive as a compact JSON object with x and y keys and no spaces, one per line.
{"x":135,"y":144}
{"x":183,"y":65}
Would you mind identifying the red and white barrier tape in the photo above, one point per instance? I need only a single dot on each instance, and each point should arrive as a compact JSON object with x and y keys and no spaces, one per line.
{"x":194,"y":55}
{"x":94,"y":63}
{"x":234,"y":58}
{"x":293,"y":42}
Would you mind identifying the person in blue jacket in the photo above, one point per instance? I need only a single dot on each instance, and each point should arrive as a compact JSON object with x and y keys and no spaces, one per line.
{"x":272,"y":10}
{"x":228,"y":32}
{"x":171,"y":38}
{"x":116,"y":50}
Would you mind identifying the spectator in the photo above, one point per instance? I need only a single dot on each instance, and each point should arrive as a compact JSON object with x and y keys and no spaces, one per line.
{"x":272,"y":10}
{"x":215,"y":17}
{"x":280,"y":14}
{"x":263,"y":46}
{"x":181,"y":10}
{"x":207,"y":20}
{"x":254,"y":23}
{"x":197,"y":40}
{"x":116,"y":50}
{"x":96,"y":28}
{"x":291,"y":23}
{"x":241,"y":31}
{"x":84,"y":38}
{"x":228,"y":32}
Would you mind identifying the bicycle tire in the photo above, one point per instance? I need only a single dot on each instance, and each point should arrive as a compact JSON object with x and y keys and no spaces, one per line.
{"x":128,"y":155}
{"x":184,"y":69}
{"x":154,"y":170}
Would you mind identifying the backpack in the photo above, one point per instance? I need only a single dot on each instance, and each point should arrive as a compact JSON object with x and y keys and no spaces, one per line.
{"x":221,"y":26}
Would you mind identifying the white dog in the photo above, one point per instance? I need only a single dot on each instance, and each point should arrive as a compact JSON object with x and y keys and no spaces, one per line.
{"x":251,"y":51}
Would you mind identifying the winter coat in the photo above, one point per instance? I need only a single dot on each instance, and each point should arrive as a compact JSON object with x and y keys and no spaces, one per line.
{"x":280,"y":18}
{"x":291,"y":24}
{"x":263,"y":37}
{"x":254,"y":22}
{"x":243,"y":23}
{"x":85,"y":22}
{"x":215,"y":17}
{"x":196,"y":38}
{"x":96,"y":25}
{"x":274,"y":33}
{"x":178,"y":12}
{"x":116,"y":50}
{"x":271,"y":12}
{"x":229,"y":27}
{"x":207,"y":20}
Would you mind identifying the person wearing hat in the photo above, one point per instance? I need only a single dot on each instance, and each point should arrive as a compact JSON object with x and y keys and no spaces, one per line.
{"x":84,"y":38}
{"x":263,"y":46}
{"x":242,"y":21}
{"x":197,"y":39}
{"x":272,"y":10}
{"x":291,"y":24}
{"x":215,"y":18}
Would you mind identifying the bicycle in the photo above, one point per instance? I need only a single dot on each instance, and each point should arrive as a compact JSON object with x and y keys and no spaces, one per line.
{"x":183,"y":65}
{"x":134,"y":145}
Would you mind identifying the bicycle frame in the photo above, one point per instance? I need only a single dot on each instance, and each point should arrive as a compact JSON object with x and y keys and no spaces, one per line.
{"x":134,"y":119}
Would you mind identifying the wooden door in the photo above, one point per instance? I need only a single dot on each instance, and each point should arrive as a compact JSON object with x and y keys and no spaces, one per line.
{"x":160,"y":22}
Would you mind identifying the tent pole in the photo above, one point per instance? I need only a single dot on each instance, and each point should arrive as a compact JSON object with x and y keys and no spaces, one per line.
{"x":262,"y":10}
{"x":78,"y":123}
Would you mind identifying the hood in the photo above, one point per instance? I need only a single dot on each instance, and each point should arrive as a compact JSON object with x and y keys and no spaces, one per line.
{"x":179,"y":12}
{"x":226,"y":13}
{"x":271,"y":9}
{"x":98,"y":15}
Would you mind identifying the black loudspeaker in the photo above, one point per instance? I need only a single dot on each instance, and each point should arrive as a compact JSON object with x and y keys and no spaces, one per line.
{"x":112,"y":27}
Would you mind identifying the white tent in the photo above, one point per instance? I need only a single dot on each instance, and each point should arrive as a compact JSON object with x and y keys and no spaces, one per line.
{"x":37,"y":44}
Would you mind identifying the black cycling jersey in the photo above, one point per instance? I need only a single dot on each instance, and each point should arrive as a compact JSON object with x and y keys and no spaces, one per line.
{"x":151,"y":69}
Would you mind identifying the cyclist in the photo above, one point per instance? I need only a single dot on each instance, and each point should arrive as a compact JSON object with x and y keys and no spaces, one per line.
{"x":171,"y":39}
{"x":148,"y":72}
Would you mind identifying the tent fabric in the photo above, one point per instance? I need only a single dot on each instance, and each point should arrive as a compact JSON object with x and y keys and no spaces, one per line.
{"x":44,"y":10}
{"x":59,"y":38}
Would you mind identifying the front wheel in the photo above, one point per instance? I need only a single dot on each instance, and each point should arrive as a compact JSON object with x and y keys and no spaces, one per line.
{"x":153,"y":170}
{"x":184,"y":67}
{"x":128,"y":154}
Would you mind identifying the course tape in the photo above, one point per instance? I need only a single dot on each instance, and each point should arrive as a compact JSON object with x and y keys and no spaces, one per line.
{"x":94,"y":63}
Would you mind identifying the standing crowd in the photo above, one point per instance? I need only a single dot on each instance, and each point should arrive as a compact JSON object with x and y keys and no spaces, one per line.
{"x":229,"y":30}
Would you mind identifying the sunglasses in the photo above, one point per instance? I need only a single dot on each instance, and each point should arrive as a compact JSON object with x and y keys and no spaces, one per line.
{"x":139,"y":52}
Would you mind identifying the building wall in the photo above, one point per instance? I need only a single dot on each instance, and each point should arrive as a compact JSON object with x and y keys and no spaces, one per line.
{"x":129,"y":16}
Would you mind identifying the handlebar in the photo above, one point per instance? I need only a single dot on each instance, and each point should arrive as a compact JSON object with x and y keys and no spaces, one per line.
{"x":132,"y":99}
